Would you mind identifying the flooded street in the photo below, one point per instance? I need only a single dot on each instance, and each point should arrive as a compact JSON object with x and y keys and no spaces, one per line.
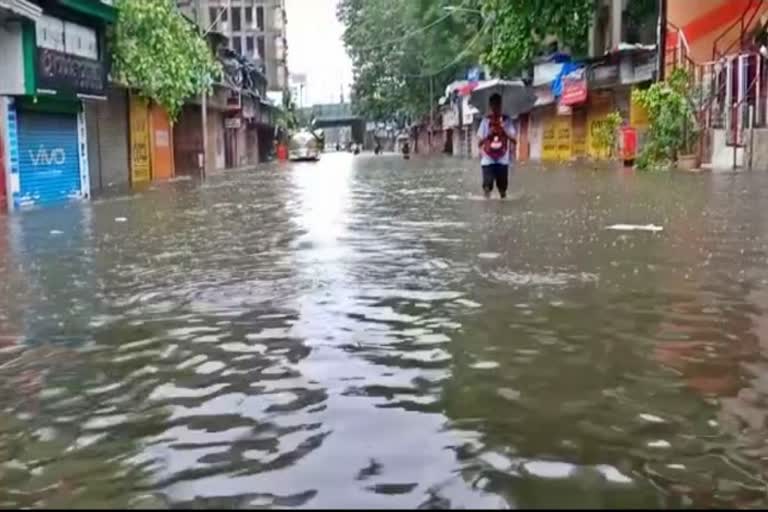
{"x":369,"y":332}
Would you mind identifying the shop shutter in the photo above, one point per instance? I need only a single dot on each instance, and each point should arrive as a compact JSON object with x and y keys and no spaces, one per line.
{"x":113,"y":139}
{"x":92,"y":132}
{"x":107,"y":128}
{"x":49,"y":161}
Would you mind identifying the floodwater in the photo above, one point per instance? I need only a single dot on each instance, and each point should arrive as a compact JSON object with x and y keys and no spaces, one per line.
{"x":368,"y":332}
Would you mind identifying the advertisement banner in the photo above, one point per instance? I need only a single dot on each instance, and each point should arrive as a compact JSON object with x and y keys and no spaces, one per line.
{"x":574,"y":88}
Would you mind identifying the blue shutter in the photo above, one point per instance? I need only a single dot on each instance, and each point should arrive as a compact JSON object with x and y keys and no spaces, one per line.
{"x":49,"y":161}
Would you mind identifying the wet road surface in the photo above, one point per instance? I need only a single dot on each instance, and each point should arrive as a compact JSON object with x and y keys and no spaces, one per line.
{"x":368,"y":332}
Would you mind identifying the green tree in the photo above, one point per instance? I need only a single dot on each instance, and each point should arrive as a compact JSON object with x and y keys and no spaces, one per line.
{"x":398,"y":47}
{"x":672,"y":120}
{"x":158,"y":51}
{"x":520,"y":29}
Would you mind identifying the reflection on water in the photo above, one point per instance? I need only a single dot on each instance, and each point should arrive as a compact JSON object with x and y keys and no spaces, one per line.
{"x":363,"y":332}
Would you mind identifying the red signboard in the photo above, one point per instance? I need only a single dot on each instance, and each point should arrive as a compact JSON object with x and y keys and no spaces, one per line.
{"x":574,"y":92}
{"x":574,"y":88}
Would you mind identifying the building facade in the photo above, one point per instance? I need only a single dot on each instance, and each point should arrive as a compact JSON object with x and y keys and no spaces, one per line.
{"x":255,"y":29}
{"x":54,"y":64}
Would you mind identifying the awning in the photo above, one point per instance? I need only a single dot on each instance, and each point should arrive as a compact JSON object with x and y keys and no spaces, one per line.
{"x":22,"y":8}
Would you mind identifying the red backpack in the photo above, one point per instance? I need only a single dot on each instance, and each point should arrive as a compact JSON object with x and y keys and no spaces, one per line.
{"x":497,"y":144}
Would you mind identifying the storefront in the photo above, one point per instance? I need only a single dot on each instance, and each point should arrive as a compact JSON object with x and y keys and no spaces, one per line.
{"x":49,"y":162}
{"x":188,"y":141}
{"x":141,"y":165}
{"x":17,"y":18}
{"x":541,"y":127}
{"x":151,"y":141}
{"x":45,"y":127}
{"x":605,"y":97}
{"x":573,"y":101}
{"x":107,"y":130}
{"x":161,"y":144}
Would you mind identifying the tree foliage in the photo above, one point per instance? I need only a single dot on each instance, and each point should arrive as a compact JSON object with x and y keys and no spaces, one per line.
{"x":672,"y":120}
{"x":607,"y":133}
{"x":521,"y":29}
{"x":395,"y":57}
{"x":158,"y":51}
{"x":397,"y":45}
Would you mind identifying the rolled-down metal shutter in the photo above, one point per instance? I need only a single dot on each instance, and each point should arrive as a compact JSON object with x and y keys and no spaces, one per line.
{"x":107,"y":131}
{"x":49,"y":161}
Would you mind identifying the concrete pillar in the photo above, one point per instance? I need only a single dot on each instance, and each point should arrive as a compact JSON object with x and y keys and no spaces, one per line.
{"x":617,"y":7}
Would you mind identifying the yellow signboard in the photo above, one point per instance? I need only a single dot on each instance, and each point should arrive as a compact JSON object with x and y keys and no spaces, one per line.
{"x":638,"y":116}
{"x":549,"y":151}
{"x":140,"y":148}
{"x":563,"y":136}
{"x":579,"y":133}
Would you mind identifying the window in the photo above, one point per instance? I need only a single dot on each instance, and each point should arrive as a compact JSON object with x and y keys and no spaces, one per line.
{"x":80,"y":41}
{"x":217,"y":15}
{"x":236,"y":20}
{"x":249,"y":46}
{"x":260,"y":18}
{"x":249,"y":17}
{"x":237,"y":44}
{"x":260,"y":44}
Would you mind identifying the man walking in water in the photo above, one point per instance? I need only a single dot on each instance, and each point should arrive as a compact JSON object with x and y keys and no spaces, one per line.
{"x":494,"y":137}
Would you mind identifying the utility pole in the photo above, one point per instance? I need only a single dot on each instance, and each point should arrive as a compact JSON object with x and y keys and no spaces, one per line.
{"x":662,"y":39}
{"x":203,"y":98}
{"x":431,"y":110}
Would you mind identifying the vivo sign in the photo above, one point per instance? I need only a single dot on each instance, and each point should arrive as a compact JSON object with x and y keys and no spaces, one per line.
{"x":45,"y":156}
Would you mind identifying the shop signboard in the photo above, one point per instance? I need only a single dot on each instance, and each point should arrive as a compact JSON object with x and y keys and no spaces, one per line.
{"x":233,"y":123}
{"x":638,"y":67}
{"x":563,"y":138}
{"x":67,"y":59}
{"x":549,"y":139}
{"x":574,"y":88}
{"x":645,"y":71}
{"x":604,"y":75}
{"x":450,"y":118}
{"x":140,"y":143}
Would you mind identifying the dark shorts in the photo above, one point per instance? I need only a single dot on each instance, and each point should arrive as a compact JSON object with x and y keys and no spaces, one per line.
{"x":496,"y":173}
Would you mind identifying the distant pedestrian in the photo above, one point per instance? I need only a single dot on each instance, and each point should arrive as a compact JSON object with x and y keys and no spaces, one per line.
{"x":496,"y":136}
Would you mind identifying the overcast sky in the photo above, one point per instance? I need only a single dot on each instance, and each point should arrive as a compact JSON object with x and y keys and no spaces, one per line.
{"x":315,"y":48}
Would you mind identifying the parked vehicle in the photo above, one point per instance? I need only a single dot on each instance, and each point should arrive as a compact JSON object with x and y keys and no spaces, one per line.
{"x":303,"y":146}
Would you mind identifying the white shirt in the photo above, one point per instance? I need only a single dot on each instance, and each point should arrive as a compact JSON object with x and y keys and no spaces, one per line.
{"x":482,"y":133}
